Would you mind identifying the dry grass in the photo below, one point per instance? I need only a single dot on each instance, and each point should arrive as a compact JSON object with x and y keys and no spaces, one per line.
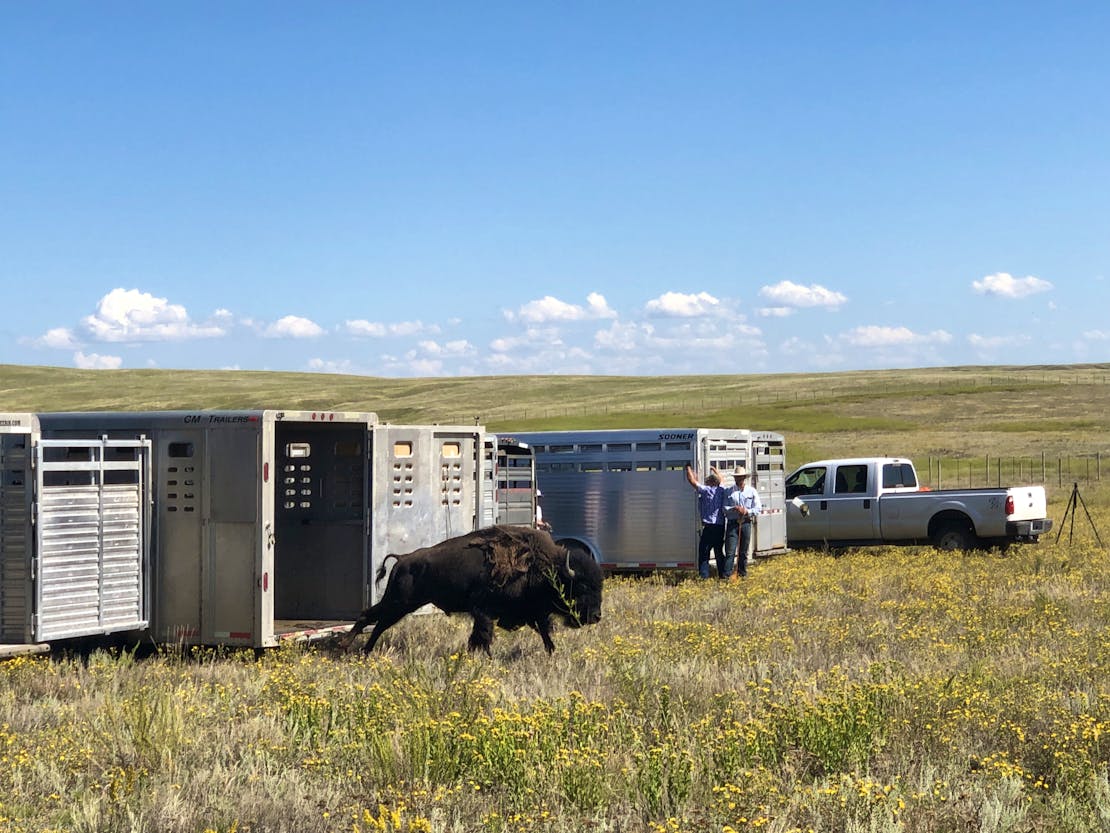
{"x":884,"y":690}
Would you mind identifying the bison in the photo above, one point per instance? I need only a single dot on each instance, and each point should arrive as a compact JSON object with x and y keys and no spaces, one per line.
{"x":504,"y":575}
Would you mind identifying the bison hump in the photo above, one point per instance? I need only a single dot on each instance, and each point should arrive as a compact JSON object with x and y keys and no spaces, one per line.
{"x":512,"y":552}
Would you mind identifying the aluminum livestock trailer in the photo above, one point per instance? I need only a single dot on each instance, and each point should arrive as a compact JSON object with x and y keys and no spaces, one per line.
{"x":74,"y":535}
{"x":622,"y":494}
{"x":269,"y":525}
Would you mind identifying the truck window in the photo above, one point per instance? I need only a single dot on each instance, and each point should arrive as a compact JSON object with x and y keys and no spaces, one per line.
{"x":809,"y":481}
{"x":851,"y":480}
{"x":897,"y":475}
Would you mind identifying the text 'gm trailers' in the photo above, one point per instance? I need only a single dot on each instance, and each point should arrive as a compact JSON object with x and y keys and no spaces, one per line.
{"x":622,"y":494}
{"x":219,"y":528}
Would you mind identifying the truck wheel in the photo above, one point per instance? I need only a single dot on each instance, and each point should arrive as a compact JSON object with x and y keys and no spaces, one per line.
{"x":953,"y":536}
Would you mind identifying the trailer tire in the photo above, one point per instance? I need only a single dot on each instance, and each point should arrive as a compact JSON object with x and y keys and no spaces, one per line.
{"x":953,"y":536}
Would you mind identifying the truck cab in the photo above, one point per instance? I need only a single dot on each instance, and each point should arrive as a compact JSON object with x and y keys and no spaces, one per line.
{"x":877,"y":500}
{"x":841,"y":497}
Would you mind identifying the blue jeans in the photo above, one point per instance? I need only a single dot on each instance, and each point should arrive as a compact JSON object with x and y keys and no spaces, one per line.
{"x":738,"y":538}
{"x":713,"y":540}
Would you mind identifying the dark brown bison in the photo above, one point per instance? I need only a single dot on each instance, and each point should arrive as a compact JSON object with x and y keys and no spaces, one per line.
{"x":504,"y":575}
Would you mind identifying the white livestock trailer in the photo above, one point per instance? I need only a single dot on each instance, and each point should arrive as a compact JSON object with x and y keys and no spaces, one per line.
{"x":250,"y":527}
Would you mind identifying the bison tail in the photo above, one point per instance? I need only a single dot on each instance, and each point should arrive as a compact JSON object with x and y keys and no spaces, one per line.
{"x":385,"y":563}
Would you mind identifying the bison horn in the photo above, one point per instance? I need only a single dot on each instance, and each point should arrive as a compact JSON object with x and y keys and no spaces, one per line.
{"x":569,"y":569}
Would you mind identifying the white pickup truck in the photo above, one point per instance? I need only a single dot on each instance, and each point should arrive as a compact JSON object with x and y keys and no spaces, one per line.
{"x":877,"y":500}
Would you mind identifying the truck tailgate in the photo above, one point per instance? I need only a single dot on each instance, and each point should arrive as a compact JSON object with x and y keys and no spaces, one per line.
{"x":1030,"y":503}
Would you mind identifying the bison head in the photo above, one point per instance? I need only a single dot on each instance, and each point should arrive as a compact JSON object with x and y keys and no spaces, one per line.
{"x":580,"y":578}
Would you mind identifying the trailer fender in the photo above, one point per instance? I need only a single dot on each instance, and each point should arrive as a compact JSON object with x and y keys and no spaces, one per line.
{"x":580,"y":544}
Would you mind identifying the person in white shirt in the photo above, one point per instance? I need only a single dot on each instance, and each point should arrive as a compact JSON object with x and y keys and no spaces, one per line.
{"x":742,"y":505}
{"x":540,"y":522}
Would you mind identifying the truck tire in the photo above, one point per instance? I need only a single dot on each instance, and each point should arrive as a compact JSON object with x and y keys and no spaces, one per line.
{"x":953,"y":536}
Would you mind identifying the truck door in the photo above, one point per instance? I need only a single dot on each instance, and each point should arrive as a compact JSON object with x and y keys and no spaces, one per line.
{"x":852,"y":510}
{"x":808,"y":485}
{"x":92,"y":544}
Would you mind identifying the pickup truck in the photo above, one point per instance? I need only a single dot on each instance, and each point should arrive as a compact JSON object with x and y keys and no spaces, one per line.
{"x":877,"y":500}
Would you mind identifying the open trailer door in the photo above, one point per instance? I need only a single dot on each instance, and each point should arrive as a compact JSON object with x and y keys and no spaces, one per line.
{"x":92,"y":545}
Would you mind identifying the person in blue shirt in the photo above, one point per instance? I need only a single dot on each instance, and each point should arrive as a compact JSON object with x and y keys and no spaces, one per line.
{"x":711,"y":498}
{"x":741,"y":507}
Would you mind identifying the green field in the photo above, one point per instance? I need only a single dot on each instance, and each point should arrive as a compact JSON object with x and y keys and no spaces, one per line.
{"x":877,"y":690}
{"x":963,"y":412}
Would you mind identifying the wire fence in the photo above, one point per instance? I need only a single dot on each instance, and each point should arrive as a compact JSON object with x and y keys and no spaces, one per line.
{"x":955,"y":473}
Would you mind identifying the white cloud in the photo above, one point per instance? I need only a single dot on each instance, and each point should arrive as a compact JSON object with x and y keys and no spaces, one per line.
{"x":1003,"y":285}
{"x":532,"y":338}
{"x":1097,"y":335}
{"x":993,"y":342}
{"x":548,"y":308}
{"x":881,"y":336}
{"x":790,"y":294}
{"x":364,"y":329}
{"x":426,"y":367}
{"x":95,"y":361}
{"x":681,"y":305}
{"x":131,"y":315}
{"x":58,"y":338}
{"x":776,"y":312}
{"x":460,"y":347}
{"x":344,"y":366}
{"x":599,"y":307}
{"x":622,"y":337}
{"x":361,"y":328}
{"x":293,"y":326}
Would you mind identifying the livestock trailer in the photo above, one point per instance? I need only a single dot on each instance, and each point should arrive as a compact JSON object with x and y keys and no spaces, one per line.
{"x":75,"y":525}
{"x":270,"y":525}
{"x":622,"y":494}
{"x":261,"y":526}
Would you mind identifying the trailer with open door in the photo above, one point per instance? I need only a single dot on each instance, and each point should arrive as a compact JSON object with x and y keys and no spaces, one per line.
{"x":261,"y":523}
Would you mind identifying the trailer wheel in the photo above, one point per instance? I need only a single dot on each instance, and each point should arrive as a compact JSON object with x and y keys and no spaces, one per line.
{"x":953,"y":536}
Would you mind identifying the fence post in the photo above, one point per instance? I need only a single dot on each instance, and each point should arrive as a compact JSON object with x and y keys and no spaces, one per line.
{"x":1044,"y":470}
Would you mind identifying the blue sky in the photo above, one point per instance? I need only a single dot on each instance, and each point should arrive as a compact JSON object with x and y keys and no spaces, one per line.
{"x":442,"y":189}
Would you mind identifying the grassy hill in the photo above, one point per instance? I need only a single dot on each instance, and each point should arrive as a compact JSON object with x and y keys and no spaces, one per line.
{"x":960,"y":412}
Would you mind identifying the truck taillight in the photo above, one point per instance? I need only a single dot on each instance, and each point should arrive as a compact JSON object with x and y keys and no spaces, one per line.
{"x":1009,"y":504}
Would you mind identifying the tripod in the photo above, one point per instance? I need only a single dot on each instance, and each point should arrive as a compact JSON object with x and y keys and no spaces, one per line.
{"x":1074,"y":501}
